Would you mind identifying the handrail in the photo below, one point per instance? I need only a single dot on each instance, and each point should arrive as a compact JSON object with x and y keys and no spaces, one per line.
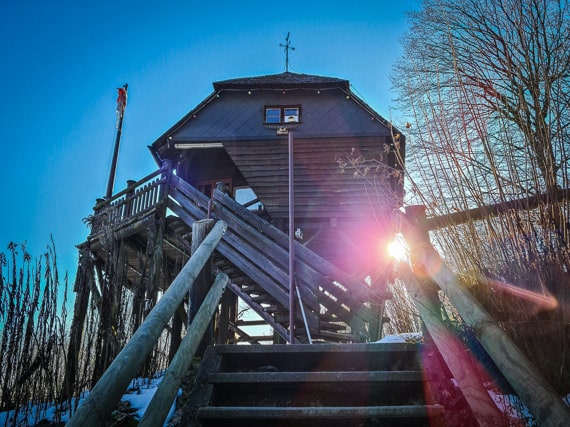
{"x":527,"y":203}
{"x":157,"y":410}
{"x":538,"y":395}
{"x":256,"y":237}
{"x":101,"y":203}
{"x":138,"y":198}
{"x":460,"y":364}
{"x":107,"y":392}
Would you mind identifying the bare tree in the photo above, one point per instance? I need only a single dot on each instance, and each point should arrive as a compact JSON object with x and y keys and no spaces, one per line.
{"x":486,"y":86}
{"x":488,"y":81}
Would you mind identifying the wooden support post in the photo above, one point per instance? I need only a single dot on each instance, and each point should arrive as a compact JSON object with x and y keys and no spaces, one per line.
{"x":162,"y":400}
{"x":166,"y":175}
{"x":199,"y":290}
{"x":227,"y":315}
{"x":154,"y":259}
{"x":84,"y":275}
{"x":131,"y":184}
{"x":175,"y":335}
{"x":539,"y":396}
{"x":94,"y":412}
{"x":456,"y":356}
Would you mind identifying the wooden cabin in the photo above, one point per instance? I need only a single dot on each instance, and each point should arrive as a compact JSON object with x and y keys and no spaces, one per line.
{"x":245,"y":138}
{"x":347,"y":159}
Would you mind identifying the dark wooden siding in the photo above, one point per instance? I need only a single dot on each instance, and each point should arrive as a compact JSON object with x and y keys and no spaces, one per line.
{"x":321,"y":189}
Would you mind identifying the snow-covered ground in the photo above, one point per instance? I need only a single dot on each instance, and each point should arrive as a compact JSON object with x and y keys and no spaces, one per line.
{"x":134,"y":401}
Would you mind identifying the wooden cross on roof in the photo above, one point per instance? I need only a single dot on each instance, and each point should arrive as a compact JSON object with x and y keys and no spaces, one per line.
{"x":286,"y":47}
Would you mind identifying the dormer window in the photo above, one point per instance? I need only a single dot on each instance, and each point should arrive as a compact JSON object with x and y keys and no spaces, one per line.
{"x":282,"y":114}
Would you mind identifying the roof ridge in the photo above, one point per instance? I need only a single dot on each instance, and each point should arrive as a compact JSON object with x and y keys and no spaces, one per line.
{"x":281,"y":80}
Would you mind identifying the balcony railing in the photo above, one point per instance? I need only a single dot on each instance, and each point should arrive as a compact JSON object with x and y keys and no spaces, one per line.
{"x":134,"y":203}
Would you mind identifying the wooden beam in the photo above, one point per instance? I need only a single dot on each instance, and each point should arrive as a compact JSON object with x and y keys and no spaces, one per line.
{"x":475,"y":214}
{"x":161,"y":402}
{"x":83,"y":279}
{"x":278,"y":328}
{"x":97,"y":407}
{"x":312,"y":270}
{"x":199,"y":289}
{"x":460,"y":362}
{"x":539,"y":396}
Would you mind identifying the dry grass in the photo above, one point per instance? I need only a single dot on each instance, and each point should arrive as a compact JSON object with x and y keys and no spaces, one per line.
{"x":33,"y":318}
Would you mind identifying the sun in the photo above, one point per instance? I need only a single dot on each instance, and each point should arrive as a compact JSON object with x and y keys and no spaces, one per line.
{"x":397,"y":249}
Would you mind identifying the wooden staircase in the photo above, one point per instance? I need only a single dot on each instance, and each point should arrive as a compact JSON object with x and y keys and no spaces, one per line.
{"x":317,"y":385}
{"x":254,"y":253}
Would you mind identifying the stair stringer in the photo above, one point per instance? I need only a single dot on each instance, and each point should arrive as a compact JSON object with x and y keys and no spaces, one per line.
{"x":260,"y":250}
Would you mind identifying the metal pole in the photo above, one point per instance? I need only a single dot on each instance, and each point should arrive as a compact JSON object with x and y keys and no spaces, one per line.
{"x":304,"y":316}
{"x":291,"y":245}
{"x":121,"y":105}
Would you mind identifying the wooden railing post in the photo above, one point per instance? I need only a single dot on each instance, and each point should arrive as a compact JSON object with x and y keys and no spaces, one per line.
{"x":130,"y":192}
{"x":161,"y":402}
{"x":166,"y":172}
{"x":95,"y":410}
{"x":539,"y":396}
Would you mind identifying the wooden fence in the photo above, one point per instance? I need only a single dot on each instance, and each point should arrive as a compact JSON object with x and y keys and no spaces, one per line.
{"x":528,"y":383}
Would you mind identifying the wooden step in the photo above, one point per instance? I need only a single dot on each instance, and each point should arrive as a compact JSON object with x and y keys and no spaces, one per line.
{"x":316,"y":377}
{"x":314,"y":412}
{"x":322,"y":357}
{"x":313,"y":385}
{"x":262,"y":298}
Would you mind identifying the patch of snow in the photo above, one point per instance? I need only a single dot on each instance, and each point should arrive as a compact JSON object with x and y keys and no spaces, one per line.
{"x":404,"y":337}
{"x":138,"y":395}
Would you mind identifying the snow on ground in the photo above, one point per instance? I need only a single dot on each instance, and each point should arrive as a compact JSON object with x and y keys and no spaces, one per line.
{"x":138,"y":396}
{"x":405,"y":337}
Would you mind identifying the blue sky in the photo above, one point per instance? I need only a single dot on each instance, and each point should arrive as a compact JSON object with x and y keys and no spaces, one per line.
{"x":61,"y":62}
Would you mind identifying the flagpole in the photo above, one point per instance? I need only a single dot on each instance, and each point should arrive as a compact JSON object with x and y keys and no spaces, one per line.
{"x":121,"y":105}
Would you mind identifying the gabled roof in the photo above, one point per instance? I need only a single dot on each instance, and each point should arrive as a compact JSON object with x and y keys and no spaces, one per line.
{"x":282,"y":80}
{"x":271,"y":82}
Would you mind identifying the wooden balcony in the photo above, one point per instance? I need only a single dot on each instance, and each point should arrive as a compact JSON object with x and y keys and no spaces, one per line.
{"x":125,"y":212}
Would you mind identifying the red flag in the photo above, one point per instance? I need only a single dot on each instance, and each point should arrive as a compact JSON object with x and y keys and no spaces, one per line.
{"x":121,"y":104}
{"x":121,"y":99}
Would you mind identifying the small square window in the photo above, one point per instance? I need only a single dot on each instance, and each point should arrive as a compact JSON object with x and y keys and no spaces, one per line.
{"x":282,"y":114}
{"x":291,"y":115}
{"x":272,"y":115}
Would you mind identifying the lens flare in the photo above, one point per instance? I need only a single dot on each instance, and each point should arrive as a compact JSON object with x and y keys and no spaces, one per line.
{"x":397,"y":249}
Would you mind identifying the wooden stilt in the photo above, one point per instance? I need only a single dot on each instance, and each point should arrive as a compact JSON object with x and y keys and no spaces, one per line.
{"x":82,"y":289}
{"x":104,"y":396}
{"x":199,"y":290}
{"x":227,"y":316}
